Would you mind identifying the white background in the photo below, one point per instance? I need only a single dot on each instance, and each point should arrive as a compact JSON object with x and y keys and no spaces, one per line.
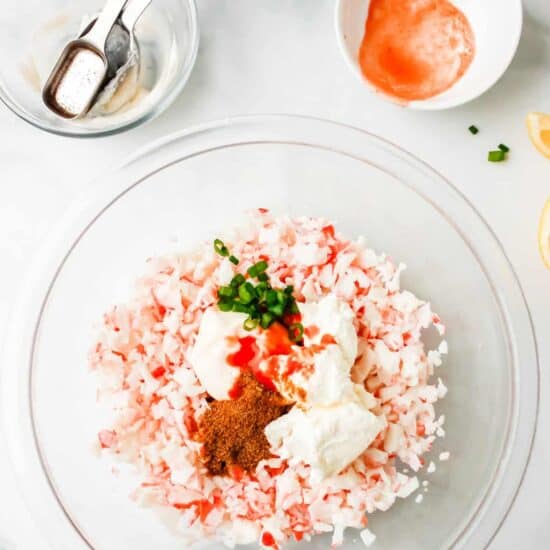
{"x":280,"y":56}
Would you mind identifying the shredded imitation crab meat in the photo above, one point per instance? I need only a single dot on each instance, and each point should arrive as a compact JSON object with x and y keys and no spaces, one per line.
{"x":142,"y":355}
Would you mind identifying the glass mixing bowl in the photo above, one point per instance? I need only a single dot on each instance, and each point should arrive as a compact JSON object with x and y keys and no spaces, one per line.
{"x":188,"y":187}
{"x":34,"y":32}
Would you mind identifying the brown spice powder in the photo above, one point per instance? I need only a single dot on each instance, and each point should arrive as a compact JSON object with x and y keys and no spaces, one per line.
{"x":232,"y":431}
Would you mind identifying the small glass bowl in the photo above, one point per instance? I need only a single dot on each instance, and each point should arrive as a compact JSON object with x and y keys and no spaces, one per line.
{"x":33,"y":33}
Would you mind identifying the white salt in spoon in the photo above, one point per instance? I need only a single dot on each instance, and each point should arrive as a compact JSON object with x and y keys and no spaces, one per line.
{"x":80,"y":72}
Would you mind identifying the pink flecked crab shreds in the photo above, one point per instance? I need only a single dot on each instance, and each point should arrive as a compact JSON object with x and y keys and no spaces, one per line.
{"x":142,"y":355}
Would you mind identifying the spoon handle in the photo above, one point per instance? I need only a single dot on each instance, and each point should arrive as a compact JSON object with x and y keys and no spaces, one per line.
{"x":97,"y":36}
{"x":132,"y":12}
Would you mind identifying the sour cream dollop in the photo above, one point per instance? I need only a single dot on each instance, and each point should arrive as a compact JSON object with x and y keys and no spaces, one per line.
{"x":218,"y":337}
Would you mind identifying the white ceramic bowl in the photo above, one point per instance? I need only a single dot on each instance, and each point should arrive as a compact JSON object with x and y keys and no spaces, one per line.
{"x":497,"y":28}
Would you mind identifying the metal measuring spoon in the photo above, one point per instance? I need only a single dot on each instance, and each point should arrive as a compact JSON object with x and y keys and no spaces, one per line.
{"x":123,"y":54}
{"x":81,"y":70}
{"x":131,"y":14}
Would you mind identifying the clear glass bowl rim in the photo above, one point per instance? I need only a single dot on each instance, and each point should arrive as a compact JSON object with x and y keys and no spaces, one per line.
{"x":17,"y":410}
{"x":150,"y":114}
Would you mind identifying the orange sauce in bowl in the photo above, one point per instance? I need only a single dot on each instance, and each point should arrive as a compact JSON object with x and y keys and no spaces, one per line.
{"x":415,"y":49}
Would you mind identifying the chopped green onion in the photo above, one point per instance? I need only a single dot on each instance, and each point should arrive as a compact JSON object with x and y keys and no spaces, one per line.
{"x":262,"y":287}
{"x":250,"y":324}
{"x":241,"y":308}
{"x":261,"y":267}
{"x":293,"y":307}
{"x":267,"y":320}
{"x":504,"y":148}
{"x":263,"y":304}
{"x":271,"y":297}
{"x":225,"y":305}
{"x":473,"y":129}
{"x":246,"y":293}
{"x":227,"y":292}
{"x":296,"y":332}
{"x":220,"y":248}
{"x":496,"y":156}
{"x":238,"y":280}
{"x":257,"y":269}
{"x":277,"y":310}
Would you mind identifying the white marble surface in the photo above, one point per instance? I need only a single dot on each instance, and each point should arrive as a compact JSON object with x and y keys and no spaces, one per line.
{"x":281,"y":56}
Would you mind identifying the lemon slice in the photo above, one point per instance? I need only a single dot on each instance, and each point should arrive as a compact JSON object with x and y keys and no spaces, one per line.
{"x":538,"y":125}
{"x":544,"y":234}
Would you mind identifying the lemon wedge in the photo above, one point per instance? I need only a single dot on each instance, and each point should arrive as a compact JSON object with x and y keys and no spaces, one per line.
{"x":538,"y":125}
{"x":544,"y":234}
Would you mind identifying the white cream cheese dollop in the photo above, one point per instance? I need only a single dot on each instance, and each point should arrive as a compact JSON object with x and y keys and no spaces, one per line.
{"x":326,"y":438}
{"x":332,"y":425}
{"x":334,"y":317}
{"x":326,"y":378}
{"x":213,"y":345}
